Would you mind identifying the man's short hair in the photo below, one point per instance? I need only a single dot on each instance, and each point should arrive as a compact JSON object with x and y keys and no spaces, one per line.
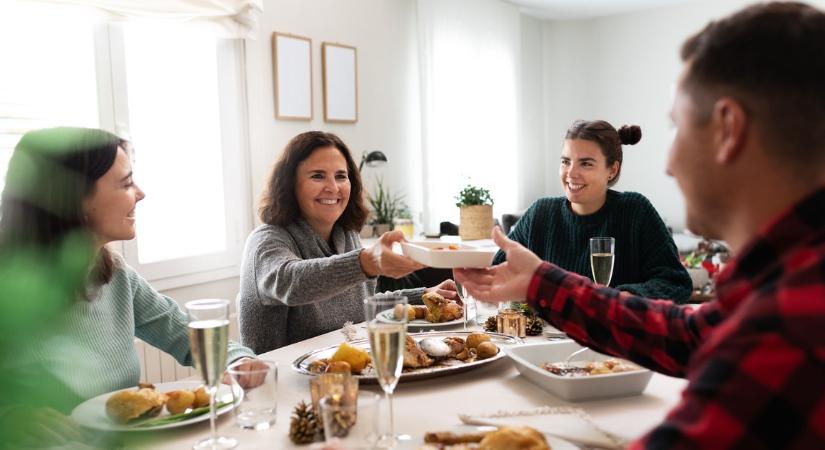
{"x":771,"y":58}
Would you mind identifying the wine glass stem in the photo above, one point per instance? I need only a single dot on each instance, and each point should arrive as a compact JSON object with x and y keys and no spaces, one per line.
{"x":212,"y":392}
{"x":392,"y":416}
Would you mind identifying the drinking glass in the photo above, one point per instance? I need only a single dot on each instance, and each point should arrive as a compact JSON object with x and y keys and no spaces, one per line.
{"x":258,"y":384}
{"x":601,"y":259}
{"x":387,"y":338}
{"x":352,"y":425}
{"x":208,"y":337}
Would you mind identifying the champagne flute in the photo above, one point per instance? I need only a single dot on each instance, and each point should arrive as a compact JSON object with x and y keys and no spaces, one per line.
{"x":601,"y":259}
{"x":387,"y":339}
{"x":208,"y":337}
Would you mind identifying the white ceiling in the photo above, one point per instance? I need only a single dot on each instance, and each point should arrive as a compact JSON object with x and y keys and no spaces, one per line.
{"x":581,"y":9}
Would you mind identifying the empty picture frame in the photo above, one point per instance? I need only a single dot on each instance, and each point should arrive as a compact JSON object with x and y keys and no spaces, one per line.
{"x":292,"y":71}
{"x":340,"y":75}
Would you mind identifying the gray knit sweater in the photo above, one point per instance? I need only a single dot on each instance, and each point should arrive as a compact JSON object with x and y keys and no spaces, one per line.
{"x":294,"y":286}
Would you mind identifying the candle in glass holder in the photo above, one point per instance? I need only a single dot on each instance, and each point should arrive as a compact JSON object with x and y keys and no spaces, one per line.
{"x":342,"y":385}
{"x":511,"y":323}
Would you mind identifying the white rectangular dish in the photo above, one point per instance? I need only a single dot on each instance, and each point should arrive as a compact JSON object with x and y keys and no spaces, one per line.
{"x":445,"y":255}
{"x":530,"y":357}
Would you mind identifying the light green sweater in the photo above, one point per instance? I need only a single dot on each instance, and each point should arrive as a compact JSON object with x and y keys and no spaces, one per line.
{"x":91,"y":351}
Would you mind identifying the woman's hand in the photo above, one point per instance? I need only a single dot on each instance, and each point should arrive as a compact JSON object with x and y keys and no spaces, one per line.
{"x":446,"y":289}
{"x":255,"y":376}
{"x":507,"y":281}
{"x":379,"y":259}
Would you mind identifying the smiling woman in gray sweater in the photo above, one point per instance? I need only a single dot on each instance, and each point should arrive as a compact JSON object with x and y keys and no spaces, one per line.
{"x":304,"y":271}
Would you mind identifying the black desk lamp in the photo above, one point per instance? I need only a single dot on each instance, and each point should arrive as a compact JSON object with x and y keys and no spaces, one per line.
{"x":373,"y":159}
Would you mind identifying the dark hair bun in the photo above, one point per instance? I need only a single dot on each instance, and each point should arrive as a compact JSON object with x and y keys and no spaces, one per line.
{"x":630,"y":135}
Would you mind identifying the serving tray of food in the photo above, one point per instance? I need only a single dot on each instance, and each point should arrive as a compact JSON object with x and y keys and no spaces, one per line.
{"x":426,"y":355}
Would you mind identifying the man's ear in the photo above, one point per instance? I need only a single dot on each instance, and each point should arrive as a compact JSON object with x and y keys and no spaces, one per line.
{"x":730,"y":123}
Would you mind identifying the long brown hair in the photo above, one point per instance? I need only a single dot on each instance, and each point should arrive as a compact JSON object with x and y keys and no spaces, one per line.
{"x":278,"y":205}
{"x":609,"y":139}
{"x":49,"y":175}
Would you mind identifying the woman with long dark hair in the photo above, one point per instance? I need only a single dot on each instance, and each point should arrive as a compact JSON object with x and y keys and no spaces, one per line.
{"x":558,"y":229}
{"x":68,"y":193}
{"x":304,"y":270}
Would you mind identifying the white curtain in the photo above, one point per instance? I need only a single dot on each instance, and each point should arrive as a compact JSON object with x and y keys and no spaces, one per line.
{"x":228,"y":18}
{"x":469,"y":56}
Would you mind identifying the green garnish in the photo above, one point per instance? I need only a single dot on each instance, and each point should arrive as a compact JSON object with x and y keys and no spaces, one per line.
{"x":179,"y":417}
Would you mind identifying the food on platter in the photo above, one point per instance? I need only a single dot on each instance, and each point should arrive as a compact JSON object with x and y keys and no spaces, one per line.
{"x":358,"y":358}
{"x":436,"y":309}
{"x":439,"y":309}
{"x":446,"y":247}
{"x":414,"y":312}
{"x":145,"y":401}
{"x":179,"y":401}
{"x":476,"y":338}
{"x":338,"y":367}
{"x":486,"y":349}
{"x":504,"y":438}
{"x":605,"y":367}
{"x":428,"y":352}
{"x":124,"y":406}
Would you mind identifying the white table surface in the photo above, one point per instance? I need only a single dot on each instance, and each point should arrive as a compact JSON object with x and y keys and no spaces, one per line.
{"x":430,"y":405}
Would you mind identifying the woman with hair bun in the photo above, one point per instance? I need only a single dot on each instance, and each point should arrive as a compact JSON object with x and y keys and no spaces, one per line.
{"x":558,"y":229}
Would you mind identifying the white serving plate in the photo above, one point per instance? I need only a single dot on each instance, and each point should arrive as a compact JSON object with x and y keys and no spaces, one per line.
{"x":435,"y":254}
{"x":528,"y":359}
{"x":92,"y":412}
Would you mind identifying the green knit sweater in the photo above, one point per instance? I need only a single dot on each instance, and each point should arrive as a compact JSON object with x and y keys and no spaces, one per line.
{"x":91,"y":350}
{"x":646,"y":260}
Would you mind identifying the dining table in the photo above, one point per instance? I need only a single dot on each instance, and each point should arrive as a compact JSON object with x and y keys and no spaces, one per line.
{"x":432,"y":404}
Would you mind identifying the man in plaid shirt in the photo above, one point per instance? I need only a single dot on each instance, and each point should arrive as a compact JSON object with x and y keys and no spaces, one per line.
{"x":749,"y":156}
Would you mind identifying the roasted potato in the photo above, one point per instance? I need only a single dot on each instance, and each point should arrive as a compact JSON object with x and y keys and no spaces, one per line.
{"x":339,"y":367}
{"x":356,"y":357}
{"x":178,"y":401}
{"x":201,"y":397}
{"x":477,"y":338}
{"x":486,"y":350}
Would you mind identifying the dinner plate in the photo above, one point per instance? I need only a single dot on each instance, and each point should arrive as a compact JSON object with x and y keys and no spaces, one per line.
{"x":450,"y":366}
{"x":553,"y":442}
{"x":92,"y":412}
{"x":388,"y":316}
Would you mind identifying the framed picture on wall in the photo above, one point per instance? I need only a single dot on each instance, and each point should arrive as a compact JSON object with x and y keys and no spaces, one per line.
{"x":340,"y":74}
{"x":292,"y":73}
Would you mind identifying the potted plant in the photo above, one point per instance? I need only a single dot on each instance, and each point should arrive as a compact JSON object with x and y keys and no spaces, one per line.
{"x":476,"y":213}
{"x":385,"y":207}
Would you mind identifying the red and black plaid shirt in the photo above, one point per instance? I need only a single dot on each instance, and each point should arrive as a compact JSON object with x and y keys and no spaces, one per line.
{"x":754,"y":359}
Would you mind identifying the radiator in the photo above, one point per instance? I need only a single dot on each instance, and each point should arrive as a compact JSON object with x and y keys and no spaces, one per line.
{"x":158,"y":367}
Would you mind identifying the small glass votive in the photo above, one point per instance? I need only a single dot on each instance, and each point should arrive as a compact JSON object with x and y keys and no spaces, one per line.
{"x":343,"y":385}
{"x":257,"y":381}
{"x":354,"y":425}
{"x":511,"y":323}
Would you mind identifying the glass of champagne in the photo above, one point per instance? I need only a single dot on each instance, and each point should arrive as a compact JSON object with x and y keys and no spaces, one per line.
{"x":208,"y":337}
{"x":387,"y":339}
{"x":601,"y":259}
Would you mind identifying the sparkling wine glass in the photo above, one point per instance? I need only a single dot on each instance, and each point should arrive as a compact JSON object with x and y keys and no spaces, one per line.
{"x":601,"y":259}
{"x":208,"y":336}
{"x":387,"y":339}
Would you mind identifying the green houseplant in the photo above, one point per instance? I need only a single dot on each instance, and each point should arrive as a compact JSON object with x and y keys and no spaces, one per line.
{"x":476,"y":212}
{"x":386,"y":206}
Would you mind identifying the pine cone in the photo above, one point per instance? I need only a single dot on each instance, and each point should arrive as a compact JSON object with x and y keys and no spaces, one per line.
{"x":535,"y":326}
{"x":491,"y":324}
{"x":303,"y":425}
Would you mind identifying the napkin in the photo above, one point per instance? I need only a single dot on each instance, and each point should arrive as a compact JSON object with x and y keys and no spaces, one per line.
{"x":568,"y":423}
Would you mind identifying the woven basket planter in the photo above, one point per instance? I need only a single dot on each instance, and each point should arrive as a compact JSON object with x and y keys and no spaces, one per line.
{"x":476,"y":222}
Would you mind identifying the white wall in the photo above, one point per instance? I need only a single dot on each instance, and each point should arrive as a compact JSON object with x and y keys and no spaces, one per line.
{"x":388,"y":113}
{"x":623,"y":69}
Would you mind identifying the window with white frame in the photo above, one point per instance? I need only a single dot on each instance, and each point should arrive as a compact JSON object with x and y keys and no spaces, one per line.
{"x":176,"y":94}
